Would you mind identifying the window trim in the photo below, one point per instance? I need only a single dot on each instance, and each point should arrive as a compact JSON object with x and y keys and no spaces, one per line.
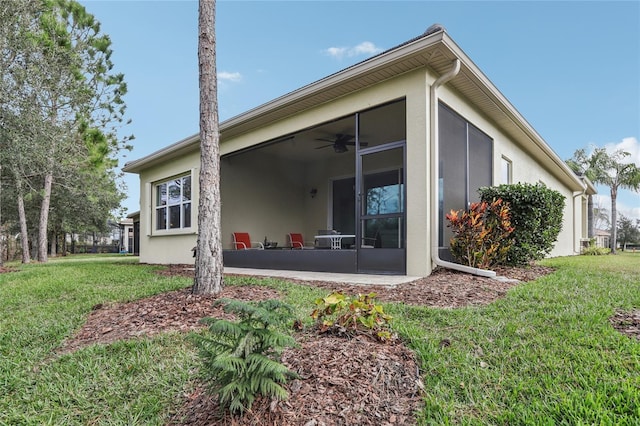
{"x":156,"y":207}
{"x":506,"y":161}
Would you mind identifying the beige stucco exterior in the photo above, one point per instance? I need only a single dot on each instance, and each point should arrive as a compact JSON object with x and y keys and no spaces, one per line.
{"x":269,"y":196}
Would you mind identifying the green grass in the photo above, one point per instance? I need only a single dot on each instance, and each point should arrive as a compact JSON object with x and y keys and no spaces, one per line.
{"x":545,"y":354}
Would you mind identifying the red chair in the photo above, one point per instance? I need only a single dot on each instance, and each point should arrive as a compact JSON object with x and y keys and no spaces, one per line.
{"x":297,"y":242}
{"x":242,"y":241}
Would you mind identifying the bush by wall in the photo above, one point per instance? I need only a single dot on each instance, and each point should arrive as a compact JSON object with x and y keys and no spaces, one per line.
{"x":536,"y":215}
{"x":482,"y":235}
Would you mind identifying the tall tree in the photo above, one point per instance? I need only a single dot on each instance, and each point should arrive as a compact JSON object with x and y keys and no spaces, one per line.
{"x":67,"y":99}
{"x":614,"y":171}
{"x":628,"y":231}
{"x":208,"y":268}
{"x":16,"y":115}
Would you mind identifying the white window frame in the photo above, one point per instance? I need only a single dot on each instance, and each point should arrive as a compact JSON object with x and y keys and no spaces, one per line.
{"x":164,"y":204}
{"x":506,"y":162}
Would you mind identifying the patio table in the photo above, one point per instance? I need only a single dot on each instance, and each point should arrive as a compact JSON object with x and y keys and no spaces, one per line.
{"x":336,"y":239}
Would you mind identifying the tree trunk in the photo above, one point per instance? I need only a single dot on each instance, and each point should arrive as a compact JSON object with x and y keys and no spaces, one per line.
{"x":44,"y":218}
{"x":22,"y":218}
{"x":208,"y":266}
{"x":614,"y":219}
{"x":54,"y":244}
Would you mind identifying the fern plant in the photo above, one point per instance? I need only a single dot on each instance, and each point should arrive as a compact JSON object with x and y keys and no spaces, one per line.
{"x":241,"y":360}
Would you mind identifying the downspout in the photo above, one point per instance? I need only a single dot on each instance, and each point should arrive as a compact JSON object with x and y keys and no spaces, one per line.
{"x":575,"y":195}
{"x":435,"y":176}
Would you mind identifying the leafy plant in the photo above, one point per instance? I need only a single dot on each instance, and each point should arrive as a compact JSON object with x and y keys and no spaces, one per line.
{"x":346,"y":314}
{"x":593,"y":250}
{"x":241,"y":359}
{"x":536,"y":215}
{"x":482,"y":235}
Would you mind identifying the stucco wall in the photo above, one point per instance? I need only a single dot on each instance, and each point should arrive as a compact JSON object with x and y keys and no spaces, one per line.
{"x":279,"y":192}
{"x":174,"y":246}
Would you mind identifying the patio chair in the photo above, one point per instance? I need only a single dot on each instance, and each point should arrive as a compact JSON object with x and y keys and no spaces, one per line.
{"x":242,"y":241}
{"x":372,"y":242}
{"x":297,"y":242}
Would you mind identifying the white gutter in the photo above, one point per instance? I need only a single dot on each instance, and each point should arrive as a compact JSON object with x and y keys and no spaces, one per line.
{"x":435,"y":216}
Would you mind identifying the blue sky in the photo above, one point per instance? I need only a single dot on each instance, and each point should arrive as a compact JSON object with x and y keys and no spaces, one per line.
{"x":572,"y":68}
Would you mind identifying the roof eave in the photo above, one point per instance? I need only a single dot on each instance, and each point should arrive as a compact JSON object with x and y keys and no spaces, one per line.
{"x":185,"y":145}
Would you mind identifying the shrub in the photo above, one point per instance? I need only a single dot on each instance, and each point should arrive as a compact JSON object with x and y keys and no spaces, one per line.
{"x":346,"y":315}
{"x":241,"y":359}
{"x":536,"y":215}
{"x":482,"y":235}
{"x":593,"y":250}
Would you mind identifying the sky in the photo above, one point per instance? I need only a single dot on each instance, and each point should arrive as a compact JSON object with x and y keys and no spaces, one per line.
{"x":571,"y":68}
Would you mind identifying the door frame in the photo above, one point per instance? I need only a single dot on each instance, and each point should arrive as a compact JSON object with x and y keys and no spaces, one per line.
{"x":380,"y":260}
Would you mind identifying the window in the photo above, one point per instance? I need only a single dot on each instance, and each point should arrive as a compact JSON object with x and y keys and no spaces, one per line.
{"x":173,"y":204}
{"x":506,"y":171}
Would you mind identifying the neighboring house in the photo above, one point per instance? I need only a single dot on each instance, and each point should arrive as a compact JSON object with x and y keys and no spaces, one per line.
{"x":126,"y":244}
{"x":380,"y":150}
{"x":134,"y":233}
{"x":603,"y":238}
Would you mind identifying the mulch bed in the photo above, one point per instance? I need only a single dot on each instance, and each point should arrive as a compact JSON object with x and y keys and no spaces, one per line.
{"x":343,"y":381}
{"x":627,"y":323}
{"x":172,"y":311}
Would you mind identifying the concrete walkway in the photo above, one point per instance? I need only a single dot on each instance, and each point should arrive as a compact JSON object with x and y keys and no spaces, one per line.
{"x":357,"y":279}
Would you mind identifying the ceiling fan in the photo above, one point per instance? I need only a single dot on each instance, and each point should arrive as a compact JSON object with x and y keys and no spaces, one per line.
{"x":340,"y":142}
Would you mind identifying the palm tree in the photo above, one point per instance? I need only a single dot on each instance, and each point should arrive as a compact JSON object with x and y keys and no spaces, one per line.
{"x":611,"y":170}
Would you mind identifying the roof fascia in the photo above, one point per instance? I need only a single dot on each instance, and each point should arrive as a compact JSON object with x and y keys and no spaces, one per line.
{"x":185,"y":145}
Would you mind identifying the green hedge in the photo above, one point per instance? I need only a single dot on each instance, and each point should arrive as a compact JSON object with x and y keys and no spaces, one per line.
{"x":536,"y":215}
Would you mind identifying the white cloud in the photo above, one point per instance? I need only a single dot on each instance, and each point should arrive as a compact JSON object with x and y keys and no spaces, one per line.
{"x":630,"y":145}
{"x":364,"y":48}
{"x":337,"y":52}
{"x":229,"y":76}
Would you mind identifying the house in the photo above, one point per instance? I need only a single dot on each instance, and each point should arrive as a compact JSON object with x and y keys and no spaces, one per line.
{"x":377,"y":151}
{"x":126,"y":240}
{"x":603,"y":238}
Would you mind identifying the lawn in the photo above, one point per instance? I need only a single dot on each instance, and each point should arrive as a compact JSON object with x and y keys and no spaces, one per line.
{"x":545,"y":354}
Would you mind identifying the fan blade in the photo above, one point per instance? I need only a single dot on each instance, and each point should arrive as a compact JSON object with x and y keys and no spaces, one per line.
{"x":324,"y":146}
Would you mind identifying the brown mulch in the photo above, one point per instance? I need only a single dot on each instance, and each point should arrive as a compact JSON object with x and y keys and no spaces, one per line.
{"x":627,"y":323}
{"x":342,"y":381}
{"x":172,"y":311}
